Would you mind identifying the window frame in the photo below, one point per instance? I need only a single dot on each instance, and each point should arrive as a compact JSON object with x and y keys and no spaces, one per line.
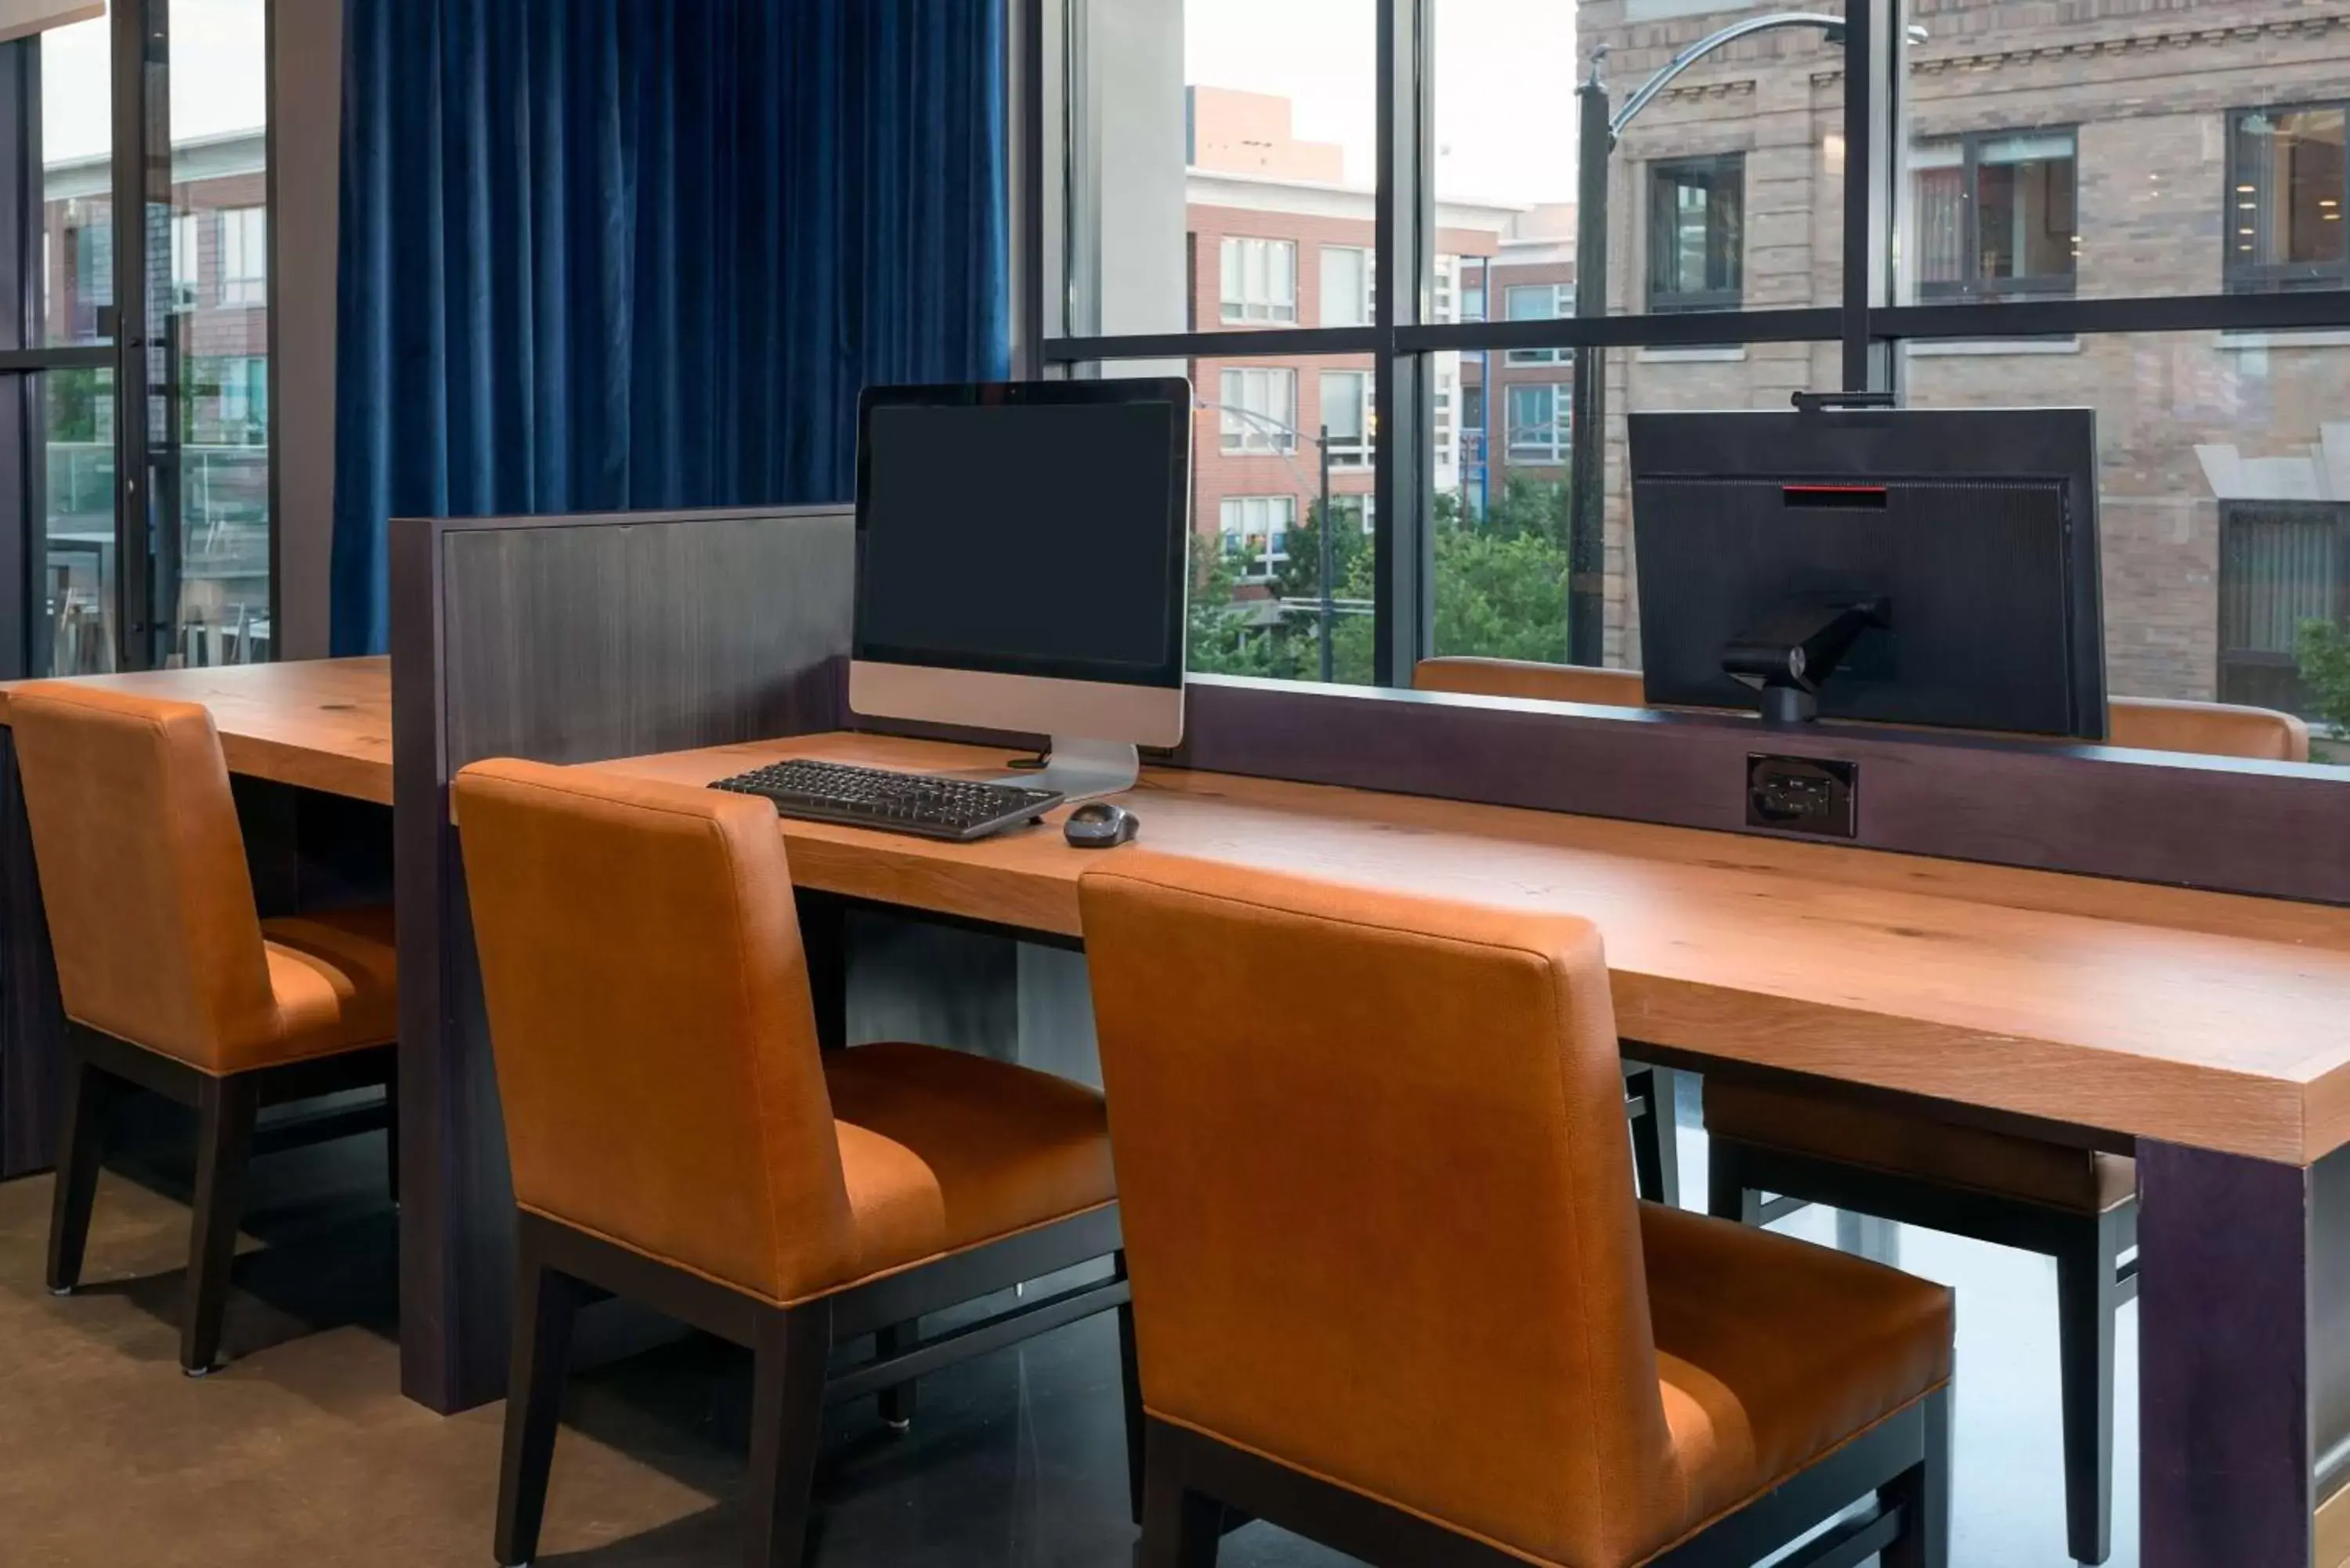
{"x":1350,"y":457}
{"x":1233,"y":311}
{"x":1275,"y":556}
{"x":2255,"y":277}
{"x":1654,"y":175}
{"x":1517,"y":454}
{"x":1970,"y":284}
{"x":1242,"y":435}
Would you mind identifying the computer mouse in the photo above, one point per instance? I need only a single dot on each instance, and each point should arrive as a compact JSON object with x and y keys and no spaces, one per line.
{"x":1099,"y":824}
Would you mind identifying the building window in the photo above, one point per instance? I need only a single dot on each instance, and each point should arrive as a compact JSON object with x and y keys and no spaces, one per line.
{"x":244,"y":401}
{"x":187,"y":259}
{"x":1997,"y":215}
{"x":1697,"y":233}
{"x":1260,"y":409}
{"x":1259,"y":279}
{"x":1538,"y":416}
{"x":2288,"y":183}
{"x":244,"y":255}
{"x":1538,"y":302}
{"x":1347,"y":286}
{"x":1257,"y":532}
{"x":1360,"y":511}
{"x":2282,"y":563}
{"x":1346,"y":415}
{"x":1472,"y":288}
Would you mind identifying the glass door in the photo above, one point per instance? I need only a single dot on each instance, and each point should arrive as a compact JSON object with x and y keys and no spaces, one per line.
{"x":142,"y":371}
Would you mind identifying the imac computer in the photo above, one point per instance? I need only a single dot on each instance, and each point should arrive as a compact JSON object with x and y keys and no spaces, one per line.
{"x":1906,"y":567}
{"x":1023,"y":564}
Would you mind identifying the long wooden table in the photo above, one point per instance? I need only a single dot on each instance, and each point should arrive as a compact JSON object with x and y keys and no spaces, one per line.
{"x":2208,"y":1033}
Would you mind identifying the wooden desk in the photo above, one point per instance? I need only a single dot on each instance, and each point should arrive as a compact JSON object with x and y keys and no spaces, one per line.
{"x":323,"y":725}
{"x":2101,"y":1005}
{"x":2207,"y":1031}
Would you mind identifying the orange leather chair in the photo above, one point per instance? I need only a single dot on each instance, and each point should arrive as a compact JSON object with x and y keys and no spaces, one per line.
{"x":677,"y":1136}
{"x":170,"y":978}
{"x":2207,"y":728}
{"x":1392,"y":1287}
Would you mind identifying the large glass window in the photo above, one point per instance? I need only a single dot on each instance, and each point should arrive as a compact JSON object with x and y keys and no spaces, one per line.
{"x":2288,"y":184}
{"x":1997,"y":214}
{"x":1697,"y":233}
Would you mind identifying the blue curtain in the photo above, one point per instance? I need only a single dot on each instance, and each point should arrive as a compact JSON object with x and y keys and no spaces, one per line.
{"x":601,"y":254}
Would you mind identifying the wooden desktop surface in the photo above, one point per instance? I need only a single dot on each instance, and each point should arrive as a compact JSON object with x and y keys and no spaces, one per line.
{"x":2200,"y":1019}
{"x":320,"y":724}
{"x":2197,"y":1018}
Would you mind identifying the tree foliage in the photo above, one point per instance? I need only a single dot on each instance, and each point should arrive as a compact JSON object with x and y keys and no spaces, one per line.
{"x":2325,"y":668}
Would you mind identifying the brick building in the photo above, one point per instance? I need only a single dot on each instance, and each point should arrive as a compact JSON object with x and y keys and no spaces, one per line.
{"x":2122,"y":148}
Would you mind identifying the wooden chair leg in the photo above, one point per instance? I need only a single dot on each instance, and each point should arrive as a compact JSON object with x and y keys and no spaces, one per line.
{"x":1923,"y":1494}
{"x":786,"y":1423}
{"x":1655,"y":1173}
{"x":547,"y":1303}
{"x":1129,"y":1374}
{"x":225,"y":1108}
{"x":88,"y":1108}
{"x":1180,"y":1527}
{"x":898,"y":1403}
{"x":2086,"y":1297}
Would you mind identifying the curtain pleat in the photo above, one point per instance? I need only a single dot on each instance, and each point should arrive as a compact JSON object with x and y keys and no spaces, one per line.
{"x":606,"y":254}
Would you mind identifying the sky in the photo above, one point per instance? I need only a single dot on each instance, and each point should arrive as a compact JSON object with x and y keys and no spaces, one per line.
{"x":218,"y":75}
{"x":1505,"y":76}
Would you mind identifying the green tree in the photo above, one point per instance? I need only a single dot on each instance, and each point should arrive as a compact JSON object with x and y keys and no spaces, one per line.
{"x":1499,"y":596}
{"x":2325,"y":667}
{"x":1224,"y":639}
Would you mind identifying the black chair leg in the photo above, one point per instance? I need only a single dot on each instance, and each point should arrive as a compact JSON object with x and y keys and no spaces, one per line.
{"x":1923,"y":1494}
{"x":1180,"y":1527}
{"x":1129,"y":1375}
{"x":1655,"y":1157}
{"x":225,"y":1108}
{"x":786,"y":1423}
{"x":391,"y":1135}
{"x":547,"y":1303}
{"x":898,"y":1403}
{"x":1727,"y":1196}
{"x":2086,"y":1297}
{"x":87,"y":1107}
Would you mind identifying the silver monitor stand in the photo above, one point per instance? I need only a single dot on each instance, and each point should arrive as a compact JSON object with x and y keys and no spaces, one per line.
{"x":1084,"y":770}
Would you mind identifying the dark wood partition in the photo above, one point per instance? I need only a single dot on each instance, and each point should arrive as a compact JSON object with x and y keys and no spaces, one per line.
{"x":563,"y":639}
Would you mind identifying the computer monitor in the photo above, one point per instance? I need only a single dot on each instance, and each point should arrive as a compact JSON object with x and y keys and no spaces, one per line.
{"x":1022,"y":563}
{"x":1907,"y":566}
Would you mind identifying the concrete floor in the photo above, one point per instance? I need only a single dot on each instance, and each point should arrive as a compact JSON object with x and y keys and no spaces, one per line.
{"x":302,"y":1450}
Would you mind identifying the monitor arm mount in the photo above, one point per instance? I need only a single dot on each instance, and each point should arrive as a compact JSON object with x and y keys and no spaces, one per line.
{"x":1786,"y":655}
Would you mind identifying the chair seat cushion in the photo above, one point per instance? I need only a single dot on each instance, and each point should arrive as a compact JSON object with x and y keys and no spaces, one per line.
{"x":942,"y":1150}
{"x":1902,"y":1143}
{"x":336,"y":977}
{"x":1771,"y":1352}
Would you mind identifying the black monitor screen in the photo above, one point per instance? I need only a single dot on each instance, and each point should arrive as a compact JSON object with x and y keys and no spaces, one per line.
{"x":1039,"y":533}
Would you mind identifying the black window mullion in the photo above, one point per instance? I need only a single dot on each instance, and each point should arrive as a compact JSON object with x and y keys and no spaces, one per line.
{"x":1402,"y":551}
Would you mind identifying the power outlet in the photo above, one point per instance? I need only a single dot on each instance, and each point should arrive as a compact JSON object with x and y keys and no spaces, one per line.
{"x":1802,"y":795}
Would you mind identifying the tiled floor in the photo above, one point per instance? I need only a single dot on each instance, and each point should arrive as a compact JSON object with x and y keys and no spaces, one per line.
{"x":302,"y":1450}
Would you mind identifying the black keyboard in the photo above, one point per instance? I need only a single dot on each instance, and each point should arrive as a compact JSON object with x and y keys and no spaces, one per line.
{"x":903,"y":803}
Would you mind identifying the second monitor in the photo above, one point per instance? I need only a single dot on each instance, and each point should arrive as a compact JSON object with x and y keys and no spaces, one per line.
{"x":1909,"y":566}
{"x":1023,"y":564}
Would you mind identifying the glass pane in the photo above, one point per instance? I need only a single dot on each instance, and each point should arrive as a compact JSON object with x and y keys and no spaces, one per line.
{"x":77,"y":596}
{"x":1502,"y":511}
{"x":212,"y":429}
{"x":2224,"y":466}
{"x":1258,"y":486}
{"x":2163,"y":157}
{"x":1217,"y":152}
{"x":77,"y":180}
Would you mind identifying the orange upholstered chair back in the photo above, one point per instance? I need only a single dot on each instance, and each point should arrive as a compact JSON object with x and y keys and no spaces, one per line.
{"x":1378,"y":1198}
{"x":142,"y":868}
{"x":1538,"y":682}
{"x":650,"y":1014}
{"x":2209,"y":729}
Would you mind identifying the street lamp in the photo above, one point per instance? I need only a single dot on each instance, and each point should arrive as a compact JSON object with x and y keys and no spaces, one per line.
{"x":1325,"y":529}
{"x":1587,"y":423}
